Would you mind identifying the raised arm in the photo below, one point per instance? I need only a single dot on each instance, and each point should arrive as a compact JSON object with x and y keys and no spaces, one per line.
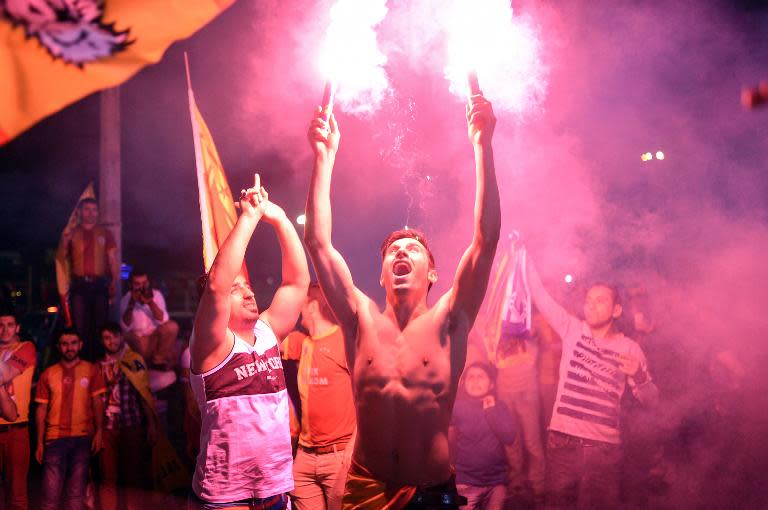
{"x":332,"y":271}
{"x":209,"y":345}
{"x":289,"y":297}
{"x":474,"y":268}
{"x":555,"y":315}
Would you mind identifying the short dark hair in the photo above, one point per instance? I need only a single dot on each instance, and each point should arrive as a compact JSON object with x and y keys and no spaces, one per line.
{"x":615,"y":294}
{"x":8,"y":311}
{"x":137,"y":271}
{"x":112,"y":327}
{"x":409,"y":233}
{"x":489,"y":369}
{"x":69,"y":331}
{"x":87,"y":200}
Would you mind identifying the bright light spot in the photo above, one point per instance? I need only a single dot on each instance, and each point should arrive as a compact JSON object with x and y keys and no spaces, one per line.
{"x":647,"y":156}
{"x":17,"y":293}
{"x":504,"y":50}
{"x":52,"y":309}
{"x":301,"y":219}
{"x":568,"y":278}
{"x":406,"y":227}
{"x":429,"y":178}
{"x":350,"y":55}
{"x":659,"y":155}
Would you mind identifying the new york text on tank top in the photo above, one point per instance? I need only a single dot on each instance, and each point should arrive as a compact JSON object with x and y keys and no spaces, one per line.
{"x":247,"y":371}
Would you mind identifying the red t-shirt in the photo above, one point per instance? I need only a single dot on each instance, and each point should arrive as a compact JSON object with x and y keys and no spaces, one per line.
{"x":325,"y":387}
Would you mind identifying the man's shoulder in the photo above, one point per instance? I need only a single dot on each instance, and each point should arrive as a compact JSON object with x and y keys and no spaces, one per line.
{"x":23,"y":350}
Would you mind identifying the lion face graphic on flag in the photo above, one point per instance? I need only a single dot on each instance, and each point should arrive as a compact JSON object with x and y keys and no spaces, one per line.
{"x":71,"y":30}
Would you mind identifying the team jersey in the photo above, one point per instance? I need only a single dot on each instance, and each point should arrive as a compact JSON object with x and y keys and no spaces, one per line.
{"x":67,"y":391}
{"x":21,"y":356}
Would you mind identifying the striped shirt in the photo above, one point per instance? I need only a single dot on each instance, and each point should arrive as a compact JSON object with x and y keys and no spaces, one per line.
{"x":591,"y":383}
{"x":67,"y":392}
{"x":21,"y":356}
{"x":88,"y":251}
{"x":245,"y":442}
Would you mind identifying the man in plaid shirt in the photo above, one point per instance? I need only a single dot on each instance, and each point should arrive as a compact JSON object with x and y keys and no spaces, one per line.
{"x":130,"y":420}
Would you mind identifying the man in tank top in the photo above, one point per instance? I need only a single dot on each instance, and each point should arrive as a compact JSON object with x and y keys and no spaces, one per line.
{"x":236,"y":373}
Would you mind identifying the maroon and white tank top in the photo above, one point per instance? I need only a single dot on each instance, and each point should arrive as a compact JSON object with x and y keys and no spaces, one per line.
{"x":245,"y":442}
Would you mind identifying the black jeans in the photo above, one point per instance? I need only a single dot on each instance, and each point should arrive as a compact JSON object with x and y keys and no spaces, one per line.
{"x":89,"y":304}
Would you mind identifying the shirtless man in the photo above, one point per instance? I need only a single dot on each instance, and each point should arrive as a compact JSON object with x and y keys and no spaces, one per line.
{"x":406,"y":360}
{"x":236,"y":374}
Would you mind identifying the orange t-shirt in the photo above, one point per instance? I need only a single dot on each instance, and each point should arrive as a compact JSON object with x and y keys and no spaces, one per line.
{"x":68,"y":392}
{"x":325,"y":387}
{"x":21,"y":356}
{"x":88,"y":251}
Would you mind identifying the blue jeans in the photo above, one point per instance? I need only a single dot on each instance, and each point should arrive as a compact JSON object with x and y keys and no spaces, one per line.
{"x":65,"y":466}
{"x":581,"y":473}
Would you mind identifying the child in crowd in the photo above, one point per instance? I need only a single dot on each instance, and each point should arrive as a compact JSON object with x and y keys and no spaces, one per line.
{"x":480,"y":431}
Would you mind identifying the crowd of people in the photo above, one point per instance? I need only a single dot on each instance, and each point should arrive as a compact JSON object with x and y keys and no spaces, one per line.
{"x":410,"y":406}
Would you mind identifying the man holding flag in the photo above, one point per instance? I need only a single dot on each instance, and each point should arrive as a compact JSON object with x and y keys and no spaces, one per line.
{"x":237,"y":375}
{"x":89,"y":250}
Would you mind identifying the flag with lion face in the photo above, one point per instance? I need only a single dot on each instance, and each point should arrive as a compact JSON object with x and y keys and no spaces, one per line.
{"x":54,"y":52}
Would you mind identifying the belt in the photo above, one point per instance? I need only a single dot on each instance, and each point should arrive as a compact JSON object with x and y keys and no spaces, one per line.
{"x":9,"y":426}
{"x":322,"y":450}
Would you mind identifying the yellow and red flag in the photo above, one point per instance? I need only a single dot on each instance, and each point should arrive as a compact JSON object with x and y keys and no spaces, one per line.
{"x":54,"y":52}
{"x":217,"y":209}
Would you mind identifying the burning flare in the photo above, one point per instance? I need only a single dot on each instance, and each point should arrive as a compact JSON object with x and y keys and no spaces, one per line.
{"x":350,"y":61}
{"x":503,"y":51}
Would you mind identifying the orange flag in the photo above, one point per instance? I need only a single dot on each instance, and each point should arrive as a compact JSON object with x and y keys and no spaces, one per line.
{"x":54,"y":53}
{"x":217,"y":209}
{"x":63,"y":268}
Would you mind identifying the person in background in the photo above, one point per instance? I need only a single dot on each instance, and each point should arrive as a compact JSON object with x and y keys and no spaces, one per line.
{"x":145,"y":323}
{"x":130,"y":423}
{"x":17,"y":364}
{"x":482,"y":430}
{"x":597,"y":364}
{"x":91,"y":253}
{"x":69,"y":420}
{"x":326,"y":436}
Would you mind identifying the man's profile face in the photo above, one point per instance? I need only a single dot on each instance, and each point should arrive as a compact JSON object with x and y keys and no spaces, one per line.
{"x":242,"y":301}
{"x":599,"y":306}
{"x":89,"y":214}
{"x":69,"y":346}
{"x":406,"y":266}
{"x":113,"y":342}
{"x":140,"y":283}
{"x":8,"y":329}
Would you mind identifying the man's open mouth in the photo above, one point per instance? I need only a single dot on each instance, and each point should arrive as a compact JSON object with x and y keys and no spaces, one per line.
{"x":401,"y":268}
